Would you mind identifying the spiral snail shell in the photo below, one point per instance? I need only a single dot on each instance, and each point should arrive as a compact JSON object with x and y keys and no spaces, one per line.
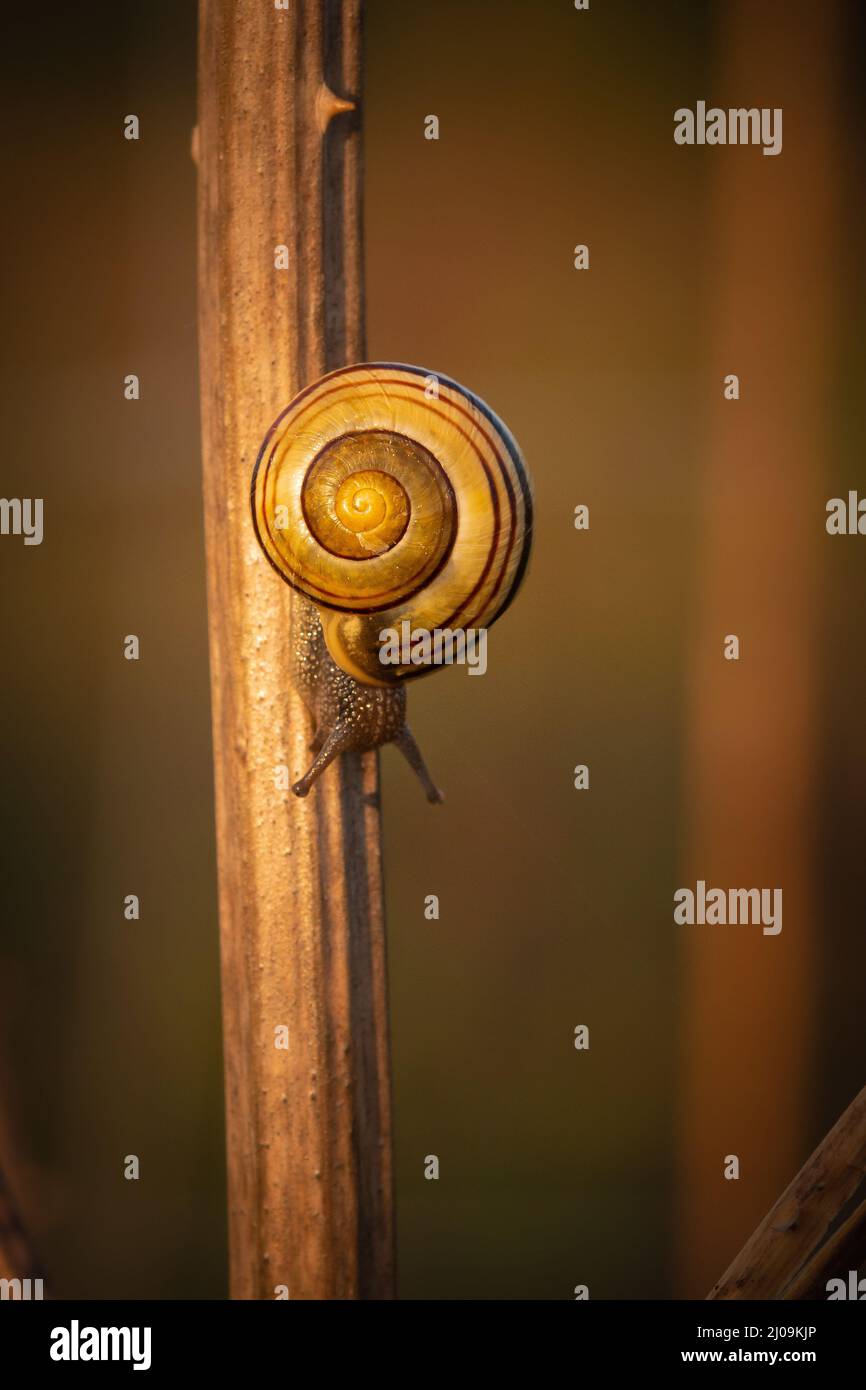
{"x":387,"y":494}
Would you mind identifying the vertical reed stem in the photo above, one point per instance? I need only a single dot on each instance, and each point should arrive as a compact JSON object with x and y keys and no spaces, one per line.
{"x":302,"y":937}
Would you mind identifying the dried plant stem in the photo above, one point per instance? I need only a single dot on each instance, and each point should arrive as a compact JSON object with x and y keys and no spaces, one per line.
{"x":807,"y":1237}
{"x":17,"y":1258}
{"x":302,"y":939}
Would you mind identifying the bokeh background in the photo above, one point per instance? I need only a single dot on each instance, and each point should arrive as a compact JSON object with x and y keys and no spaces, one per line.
{"x":706,"y":517}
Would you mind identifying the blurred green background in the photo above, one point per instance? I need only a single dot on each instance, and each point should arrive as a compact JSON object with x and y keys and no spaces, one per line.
{"x":557,"y":1167}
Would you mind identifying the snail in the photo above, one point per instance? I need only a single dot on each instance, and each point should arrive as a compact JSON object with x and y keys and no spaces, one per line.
{"x":386,"y":496}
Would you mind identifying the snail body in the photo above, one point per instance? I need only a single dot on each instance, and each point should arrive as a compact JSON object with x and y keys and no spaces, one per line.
{"x":387,"y":495}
